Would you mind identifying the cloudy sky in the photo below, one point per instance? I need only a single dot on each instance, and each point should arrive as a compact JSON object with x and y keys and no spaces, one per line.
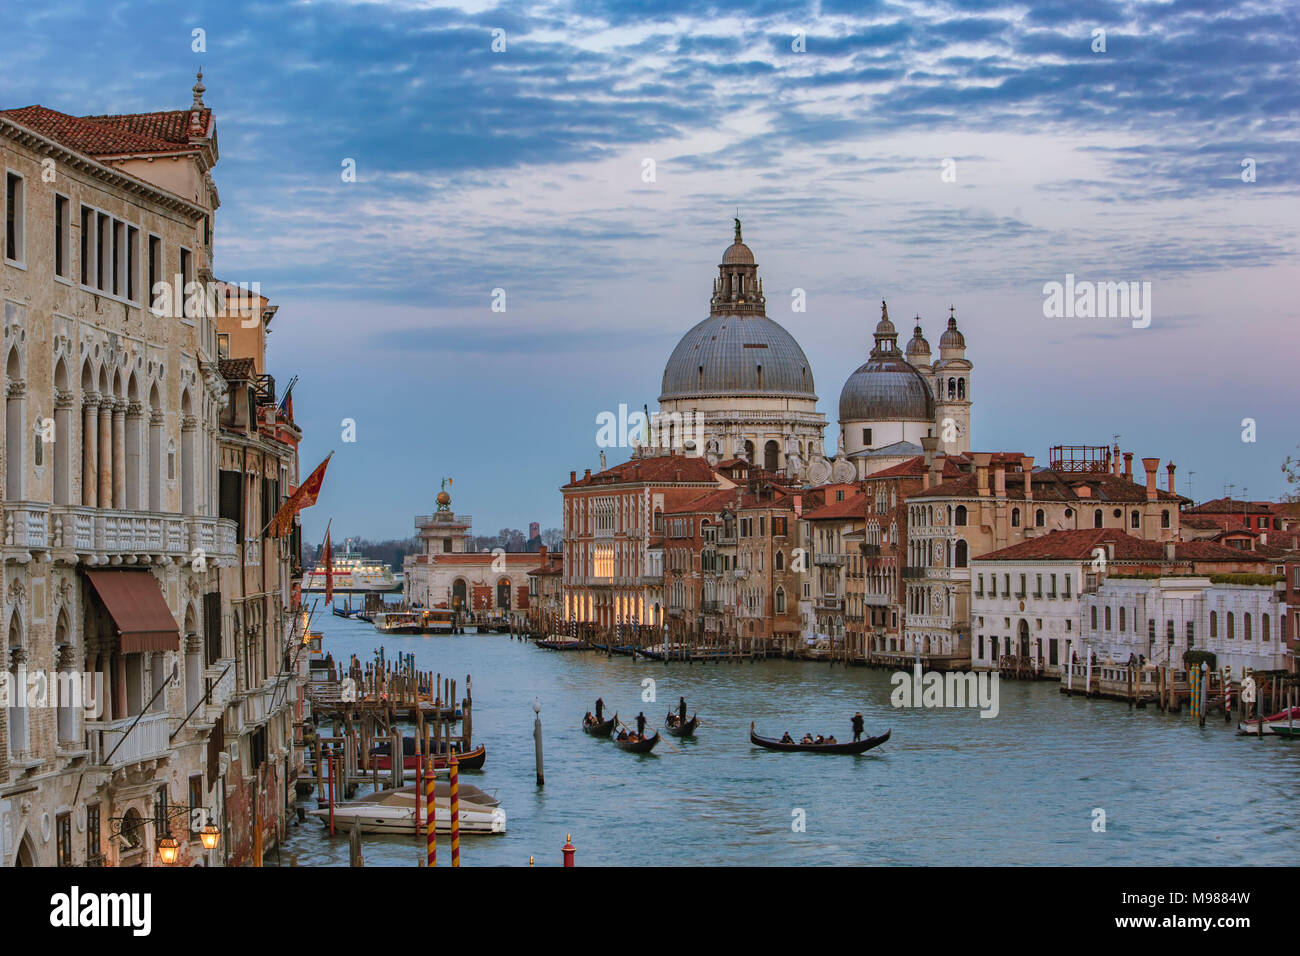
{"x":828,"y":126}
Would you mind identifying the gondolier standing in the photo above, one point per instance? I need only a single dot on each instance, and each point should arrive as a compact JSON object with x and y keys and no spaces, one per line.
{"x":640,"y":725}
{"x":600,"y":710}
{"x":857,"y":726}
{"x":681,"y":710}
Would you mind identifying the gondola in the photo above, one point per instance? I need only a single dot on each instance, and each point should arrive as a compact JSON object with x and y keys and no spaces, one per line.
{"x":638,"y":746}
{"x":682,"y":730}
{"x":600,"y":728}
{"x":381,"y":756}
{"x":851,"y":747}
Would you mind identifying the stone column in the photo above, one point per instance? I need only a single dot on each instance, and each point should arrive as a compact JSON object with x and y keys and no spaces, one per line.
{"x":106,"y":453}
{"x":64,"y":402}
{"x":134,"y":454}
{"x":119,"y":454}
{"x":89,"y":450}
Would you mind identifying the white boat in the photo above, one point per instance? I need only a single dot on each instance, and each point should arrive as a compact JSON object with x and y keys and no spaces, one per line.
{"x":352,"y":572}
{"x":393,"y":811}
{"x":415,"y":621}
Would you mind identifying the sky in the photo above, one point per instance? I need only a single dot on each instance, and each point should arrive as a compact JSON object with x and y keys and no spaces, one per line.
{"x":932,"y":154}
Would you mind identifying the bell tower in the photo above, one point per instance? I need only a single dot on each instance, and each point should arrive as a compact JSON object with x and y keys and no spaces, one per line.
{"x":952,"y":390}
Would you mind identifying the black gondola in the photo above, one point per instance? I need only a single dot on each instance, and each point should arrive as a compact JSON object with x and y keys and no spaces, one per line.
{"x":638,"y":746}
{"x":600,"y":728}
{"x":851,"y":747}
{"x":682,"y":730}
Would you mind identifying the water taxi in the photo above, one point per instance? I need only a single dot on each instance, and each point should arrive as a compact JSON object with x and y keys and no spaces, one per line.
{"x":352,"y":572}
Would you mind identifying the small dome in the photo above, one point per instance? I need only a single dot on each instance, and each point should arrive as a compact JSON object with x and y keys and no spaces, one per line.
{"x":884,"y":326}
{"x":917,"y":345}
{"x":886,"y":389}
{"x":443,"y":498}
{"x":738,"y":254}
{"x":952,"y":338}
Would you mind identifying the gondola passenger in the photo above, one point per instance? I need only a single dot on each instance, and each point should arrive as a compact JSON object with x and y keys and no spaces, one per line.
{"x":786,"y":738}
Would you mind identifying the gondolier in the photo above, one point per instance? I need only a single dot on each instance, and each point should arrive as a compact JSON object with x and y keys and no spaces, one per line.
{"x":858,"y":726}
{"x":600,"y":710}
{"x":640,"y":725}
{"x":681,"y":709}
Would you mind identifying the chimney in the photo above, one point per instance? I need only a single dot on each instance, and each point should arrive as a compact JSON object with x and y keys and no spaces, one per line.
{"x":587,"y":475}
{"x":982,"y":460}
{"x":1128,"y":465}
{"x":1169,"y":551}
{"x":1114,"y":460}
{"x":573,"y":477}
{"x":541,"y":553}
{"x":1151,"y":464}
{"x":798,"y":505}
{"x":1169,"y":470}
{"x":931,"y":445}
{"x":1000,"y":480}
{"x":1027,"y":465}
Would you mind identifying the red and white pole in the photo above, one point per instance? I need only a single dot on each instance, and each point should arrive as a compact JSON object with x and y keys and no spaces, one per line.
{"x":454,"y":766}
{"x":432,"y":822}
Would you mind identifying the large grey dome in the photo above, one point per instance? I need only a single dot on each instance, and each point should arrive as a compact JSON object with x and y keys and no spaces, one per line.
{"x":737,"y":355}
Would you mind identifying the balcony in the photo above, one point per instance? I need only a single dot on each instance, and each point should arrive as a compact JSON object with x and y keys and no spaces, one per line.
{"x":914,"y":573}
{"x":216,"y":537}
{"x":829,"y":602}
{"x":869,"y":550}
{"x":727,"y":539}
{"x":27,"y":525}
{"x":829,"y":559}
{"x":710,"y":607}
{"x":147,"y":741}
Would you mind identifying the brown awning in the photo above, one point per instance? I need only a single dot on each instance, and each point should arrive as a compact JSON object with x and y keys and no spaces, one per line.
{"x":135,"y":602}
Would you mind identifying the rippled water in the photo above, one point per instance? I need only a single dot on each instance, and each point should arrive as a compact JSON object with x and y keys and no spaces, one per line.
{"x":949,"y":788}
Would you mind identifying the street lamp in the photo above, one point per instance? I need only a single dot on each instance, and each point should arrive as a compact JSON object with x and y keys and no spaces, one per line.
{"x":210,"y":836}
{"x":169,"y":849}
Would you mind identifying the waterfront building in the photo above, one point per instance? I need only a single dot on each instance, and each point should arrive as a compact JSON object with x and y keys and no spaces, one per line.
{"x":1026,"y":599}
{"x":445,"y":573}
{"x":1289,"y":567}
{"x":1001,"y":500}
{"x":545,"y":591}
{"x":614,"y":535}
{"x":1238,"y":618}
{"x":834,"y":542}
{"x":1257,"y":516}
{"x":257,"y":669}
{"x":113,"y":540}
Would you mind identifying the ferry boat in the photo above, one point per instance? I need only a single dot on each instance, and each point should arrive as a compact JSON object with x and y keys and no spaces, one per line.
{"x":415,"y":621}
{"x":353,"y":572}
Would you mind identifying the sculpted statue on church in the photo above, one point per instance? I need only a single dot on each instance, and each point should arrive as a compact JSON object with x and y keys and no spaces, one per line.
{"x":712,"y":452}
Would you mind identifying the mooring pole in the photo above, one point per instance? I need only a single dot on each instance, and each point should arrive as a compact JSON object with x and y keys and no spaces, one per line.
{"x":537,"y":740}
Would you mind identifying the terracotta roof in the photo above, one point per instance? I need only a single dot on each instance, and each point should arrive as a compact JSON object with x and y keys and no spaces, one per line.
{"x":110,"y":135}
{"x":1079,"y":544}
{"x":237,"y":369}
{"x":1049,"y":485}
{"x":1220,"y":506}
{"x":853,"y":506}
{"x":665,"y":469}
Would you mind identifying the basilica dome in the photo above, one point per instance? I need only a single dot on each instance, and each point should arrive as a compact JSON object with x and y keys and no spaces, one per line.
{"x":733,"y":354}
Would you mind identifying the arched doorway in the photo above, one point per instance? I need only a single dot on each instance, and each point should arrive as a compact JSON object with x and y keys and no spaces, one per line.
{"x":771,"y":454}
{"x":458,"y":593}
{"x":1024,"y":638}
{"x":503,"y":594}
{"x":749,"y":451}
{"x":26,"y":853}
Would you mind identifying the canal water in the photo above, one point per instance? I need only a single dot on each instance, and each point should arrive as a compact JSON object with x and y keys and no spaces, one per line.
{"x":950,"y":787}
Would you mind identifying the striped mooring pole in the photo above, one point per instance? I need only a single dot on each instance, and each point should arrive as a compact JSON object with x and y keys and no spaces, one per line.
{"x":432,"y":824}
{"x":454,"y":766}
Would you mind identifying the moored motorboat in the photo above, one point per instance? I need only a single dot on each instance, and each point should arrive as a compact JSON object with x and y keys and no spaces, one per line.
{"x":393,"y":811}
{"x":381,"y":756}
{"x":642,"y":746}
{"x":600,"y":728}
{"x":676,"y":728}
{"x":850,"y":747}
{"x":1285,"y":723}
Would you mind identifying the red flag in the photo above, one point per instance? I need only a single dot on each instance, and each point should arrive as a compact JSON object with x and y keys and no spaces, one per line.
{"x":304,"y":497}
{"x":329,"y":570}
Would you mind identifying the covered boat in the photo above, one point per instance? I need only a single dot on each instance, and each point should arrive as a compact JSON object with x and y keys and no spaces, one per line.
{"x":851,"y":747}
{"x":381,"y":756}
{"x":393,"y":811}
{"x":1285,"y":723}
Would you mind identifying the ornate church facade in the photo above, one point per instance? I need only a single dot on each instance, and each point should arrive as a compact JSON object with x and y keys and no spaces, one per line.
{"x":746,"y":386}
